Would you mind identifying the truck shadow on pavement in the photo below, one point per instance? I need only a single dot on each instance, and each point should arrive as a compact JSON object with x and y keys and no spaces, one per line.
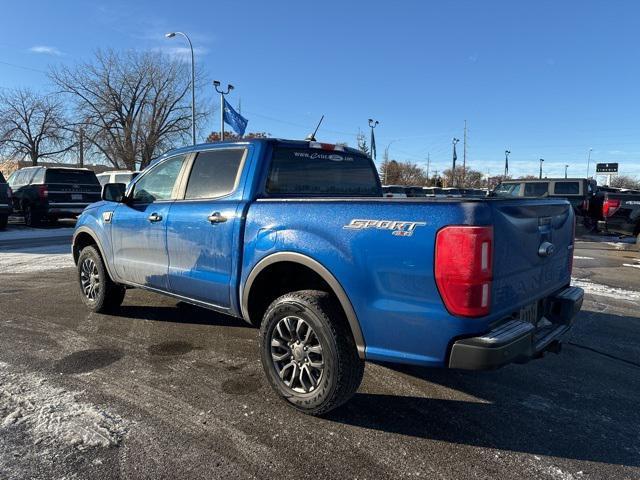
{"x":582,"y":404}
{"x":180,"y":313}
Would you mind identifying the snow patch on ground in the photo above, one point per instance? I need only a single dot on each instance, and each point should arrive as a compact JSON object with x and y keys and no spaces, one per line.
{"x":637,"y":265}
{"x":555,"y":472}
{"x":605,"y":290}
{"x":54,"y":415}
{"x":36,"y":259}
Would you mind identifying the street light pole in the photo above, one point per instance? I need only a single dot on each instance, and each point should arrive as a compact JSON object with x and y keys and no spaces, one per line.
{"x":541,"y":160}
{"x":193,"y":83}
{"x":565,"y":170}
{"x":373,"y":124}
{"x":222,"y":93}
{"x":506,"y":162}
{"x":589,"y":161}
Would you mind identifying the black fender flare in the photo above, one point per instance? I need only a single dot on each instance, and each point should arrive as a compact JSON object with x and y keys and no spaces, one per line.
{"x":323,"y":272}
{"x":91,"y":233}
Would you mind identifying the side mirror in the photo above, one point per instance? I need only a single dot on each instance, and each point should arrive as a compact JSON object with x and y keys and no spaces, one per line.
{"x":114,"y":192}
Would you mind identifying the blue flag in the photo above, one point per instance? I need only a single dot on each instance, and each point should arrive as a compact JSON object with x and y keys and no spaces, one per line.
{"x":234,"y":119}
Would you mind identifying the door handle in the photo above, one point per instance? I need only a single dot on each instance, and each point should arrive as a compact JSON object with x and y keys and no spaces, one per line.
{"x":154,"y":217}
{"x":216,"y":217}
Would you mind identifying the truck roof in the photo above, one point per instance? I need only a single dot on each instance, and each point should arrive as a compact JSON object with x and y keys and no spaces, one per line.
{"x":280,"y":141}
{"x":540,"y":180}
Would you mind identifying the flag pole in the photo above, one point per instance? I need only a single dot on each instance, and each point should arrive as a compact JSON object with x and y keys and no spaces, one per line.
{"x":222,"y":93}
{"x":221,"y":117}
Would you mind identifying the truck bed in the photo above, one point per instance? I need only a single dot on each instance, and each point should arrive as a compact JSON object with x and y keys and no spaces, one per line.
{"x":390,"y":278}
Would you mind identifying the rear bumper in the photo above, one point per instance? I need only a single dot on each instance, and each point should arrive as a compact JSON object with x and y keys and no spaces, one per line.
{"x":5,"y":209}
{"x":621,"y":227}
{"x":66,"y":209}
{"x":518,"y":340}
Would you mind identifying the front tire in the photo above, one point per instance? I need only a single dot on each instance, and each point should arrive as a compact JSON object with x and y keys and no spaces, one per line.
{"x":98,"y":292}
{"x":4,"y":219}
{"x":308,"y":352}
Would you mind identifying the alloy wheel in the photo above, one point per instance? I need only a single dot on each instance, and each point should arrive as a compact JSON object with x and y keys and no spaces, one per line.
{"x":90,"y":279}
{"x":297,"y":354}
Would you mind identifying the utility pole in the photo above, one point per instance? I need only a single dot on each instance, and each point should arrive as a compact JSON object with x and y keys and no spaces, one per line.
{"x":81,"y":147}
{"x":541,"y":160}
{"x":222,"y":93}
{"x":565,"y":170}
{"x":428,"y":165}
{"x":589,"y":161}
{"x":464,"y":155}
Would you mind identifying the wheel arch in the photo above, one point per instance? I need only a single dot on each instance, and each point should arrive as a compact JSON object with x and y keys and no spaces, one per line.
{"x":304,"y":263}
{"x":83,"y":237}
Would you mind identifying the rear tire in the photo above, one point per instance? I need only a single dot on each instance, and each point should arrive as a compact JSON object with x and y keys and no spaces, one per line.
{"x":4,"y":219}
{"x":98,"y":292}
{"x":31,"y":217}
{"x":308,"y":352}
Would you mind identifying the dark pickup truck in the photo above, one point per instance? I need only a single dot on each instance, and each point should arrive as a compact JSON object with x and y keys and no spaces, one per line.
{"x":621,"y":213}
{"x":51,"y":193}
{"x":5,"y":202}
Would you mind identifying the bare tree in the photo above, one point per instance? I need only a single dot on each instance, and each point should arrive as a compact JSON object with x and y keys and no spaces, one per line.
{"x":230,"y":136}
{"x":362,"y":143}
{"x":402,"y":173}
{"x":465,"y":176}
{"x":33,"y":125}
{"x":625,"y":181}
{"x":134,"y":104}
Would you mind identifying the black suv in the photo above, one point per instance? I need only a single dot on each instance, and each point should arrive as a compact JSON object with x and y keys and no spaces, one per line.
{"x":5,"y":202}
{"x":50,"y":193}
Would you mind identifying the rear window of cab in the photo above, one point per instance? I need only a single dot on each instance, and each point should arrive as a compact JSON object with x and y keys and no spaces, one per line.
{"x":309,"y":171}
{"x":86,"y":177}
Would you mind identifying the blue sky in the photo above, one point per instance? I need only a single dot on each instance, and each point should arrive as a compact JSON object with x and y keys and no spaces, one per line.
{"x":546,"y":79}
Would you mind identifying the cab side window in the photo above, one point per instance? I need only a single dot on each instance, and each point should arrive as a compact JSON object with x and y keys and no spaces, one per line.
{"x":535,"y":189}
{"x":157,"y":184}
{"x":16,"y":179}
{"x":215,"y":173}
{"x":38,"y":177}
{"x":567,"y":188}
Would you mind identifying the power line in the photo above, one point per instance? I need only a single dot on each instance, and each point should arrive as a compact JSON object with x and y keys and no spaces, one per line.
{"x":22,"y":67}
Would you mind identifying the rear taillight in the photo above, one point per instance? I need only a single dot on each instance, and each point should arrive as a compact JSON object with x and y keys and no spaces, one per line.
{"x":464,"y":269}
{"x":9,"y":193}
{"x":609,"y":207}
{"x":43,"y":192}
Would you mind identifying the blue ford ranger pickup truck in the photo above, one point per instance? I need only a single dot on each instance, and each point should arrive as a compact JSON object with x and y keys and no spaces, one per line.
{"x":296,"y":238}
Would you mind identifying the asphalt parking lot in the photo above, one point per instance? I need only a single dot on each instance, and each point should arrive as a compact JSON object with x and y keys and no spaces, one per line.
{"x":166,"y":390}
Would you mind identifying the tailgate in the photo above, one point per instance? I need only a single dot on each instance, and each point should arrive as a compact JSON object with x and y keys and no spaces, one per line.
{"x":533,"y":247}
{"x":73,"y":193}
{"x":628,"y":211}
